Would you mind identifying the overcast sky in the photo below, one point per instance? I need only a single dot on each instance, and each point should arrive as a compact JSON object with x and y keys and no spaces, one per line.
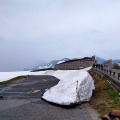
{"x":32,"y":31}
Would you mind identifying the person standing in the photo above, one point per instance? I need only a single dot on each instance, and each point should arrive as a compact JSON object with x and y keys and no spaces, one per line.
{"x":119,"y":65}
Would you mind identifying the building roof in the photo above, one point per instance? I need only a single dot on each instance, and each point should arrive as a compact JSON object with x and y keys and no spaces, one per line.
{"x":85,"y":58}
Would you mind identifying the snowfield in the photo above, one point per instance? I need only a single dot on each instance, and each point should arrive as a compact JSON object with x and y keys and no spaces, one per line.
{"x":4,"y":76}
{"x":75,"y":86}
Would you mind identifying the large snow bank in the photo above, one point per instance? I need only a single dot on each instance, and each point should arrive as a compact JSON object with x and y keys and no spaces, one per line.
{"x":75,"y":86}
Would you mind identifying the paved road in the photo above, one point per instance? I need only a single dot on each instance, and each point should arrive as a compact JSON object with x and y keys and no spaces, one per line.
{"x":22,"y":101}
{"x":114,"y":70}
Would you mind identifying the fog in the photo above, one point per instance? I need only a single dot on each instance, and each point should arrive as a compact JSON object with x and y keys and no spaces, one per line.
{"x":43,"y":30}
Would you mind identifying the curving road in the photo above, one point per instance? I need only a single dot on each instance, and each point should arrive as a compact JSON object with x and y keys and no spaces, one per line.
{"x":22,"y":101}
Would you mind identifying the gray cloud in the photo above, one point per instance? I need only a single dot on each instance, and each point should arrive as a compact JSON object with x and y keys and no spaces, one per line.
{"x":33,"y":31}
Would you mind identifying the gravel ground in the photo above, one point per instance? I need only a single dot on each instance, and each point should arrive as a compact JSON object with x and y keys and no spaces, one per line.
{"x":22,"y":101}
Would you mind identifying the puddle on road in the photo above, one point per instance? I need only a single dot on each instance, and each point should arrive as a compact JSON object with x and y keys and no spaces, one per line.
{"x":6,"y":88}
{"x":2,"y":90}
{"x":26,"y":90}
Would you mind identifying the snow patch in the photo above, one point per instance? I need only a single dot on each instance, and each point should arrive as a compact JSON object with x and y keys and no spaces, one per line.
{"x":60,"y":62}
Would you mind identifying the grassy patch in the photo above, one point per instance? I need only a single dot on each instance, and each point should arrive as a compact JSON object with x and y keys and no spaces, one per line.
{"x":104,"y":98}
{"x":12,"y":80}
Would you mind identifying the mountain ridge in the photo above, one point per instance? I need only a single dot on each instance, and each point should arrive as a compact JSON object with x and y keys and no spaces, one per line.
{"x":52,"y":63}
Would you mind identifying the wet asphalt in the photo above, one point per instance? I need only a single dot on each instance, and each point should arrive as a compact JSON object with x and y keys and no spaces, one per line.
{"x":22,"y":101}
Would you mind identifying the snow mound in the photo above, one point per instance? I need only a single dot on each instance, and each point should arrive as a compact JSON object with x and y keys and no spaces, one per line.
{"x":74,"y":86}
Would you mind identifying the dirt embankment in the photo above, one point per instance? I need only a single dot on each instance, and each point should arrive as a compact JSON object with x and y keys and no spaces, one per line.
{"x":105,"y":98}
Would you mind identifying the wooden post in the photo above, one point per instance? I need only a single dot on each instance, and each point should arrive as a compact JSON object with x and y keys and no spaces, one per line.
{"x":118,"y":76}
{"x":110,"y":72}
{"x":113,"y":74}
{"x":105,"y":70}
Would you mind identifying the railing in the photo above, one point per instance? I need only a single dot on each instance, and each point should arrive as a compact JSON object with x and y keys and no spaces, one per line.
{"x":112,"y":75}
{"x":115,"y":74}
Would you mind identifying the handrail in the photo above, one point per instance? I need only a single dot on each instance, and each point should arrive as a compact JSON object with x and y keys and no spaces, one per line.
{"x":112,"y":76}
{"x":111,"y":72}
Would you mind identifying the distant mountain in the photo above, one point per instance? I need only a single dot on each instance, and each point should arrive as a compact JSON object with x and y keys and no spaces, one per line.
{"x":54,"y":62}
{"x":27,"y":69}
{"x":100,"y":60}
{"x":116,"y":61}
{"x":50,"y":64}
